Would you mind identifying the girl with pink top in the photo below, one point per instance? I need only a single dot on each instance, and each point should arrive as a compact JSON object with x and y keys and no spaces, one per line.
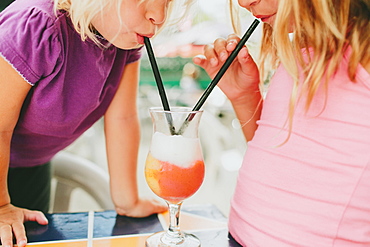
{"x":305,"y":179}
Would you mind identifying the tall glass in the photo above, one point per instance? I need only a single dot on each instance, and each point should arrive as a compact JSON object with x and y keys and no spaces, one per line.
{"x":174,"y":168}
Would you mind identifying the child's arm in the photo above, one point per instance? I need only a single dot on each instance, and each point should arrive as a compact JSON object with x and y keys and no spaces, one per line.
{"x":122,"y":140}
{"x":240,"y":83}
{"x":13,"y":90}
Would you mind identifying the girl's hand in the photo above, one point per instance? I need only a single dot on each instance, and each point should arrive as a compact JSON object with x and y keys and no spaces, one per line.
{"x":241,"y":77}
{"x":143,"y":208}
{"x":11,"y":223}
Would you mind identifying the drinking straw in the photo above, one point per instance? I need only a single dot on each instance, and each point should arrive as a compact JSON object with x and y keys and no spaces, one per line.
{"x":158,"y":80}
{"x":219,"y":74}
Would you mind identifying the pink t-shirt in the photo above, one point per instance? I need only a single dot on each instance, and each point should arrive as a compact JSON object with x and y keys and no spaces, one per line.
{"x":314,"y":190}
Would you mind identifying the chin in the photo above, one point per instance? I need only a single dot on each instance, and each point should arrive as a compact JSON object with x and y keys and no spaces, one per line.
{"x":126,"y":45}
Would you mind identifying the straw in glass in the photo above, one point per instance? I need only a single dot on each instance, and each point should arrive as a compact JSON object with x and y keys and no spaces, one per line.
{"x":158,"y":80}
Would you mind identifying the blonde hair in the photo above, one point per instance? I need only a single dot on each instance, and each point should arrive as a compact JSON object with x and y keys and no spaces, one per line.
{"x":82,"y":12}
{"x":328,"y":28}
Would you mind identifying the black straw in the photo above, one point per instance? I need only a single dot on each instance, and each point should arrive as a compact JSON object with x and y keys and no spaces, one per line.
{"x":226,"y":65}
{"x":220,"y":73}
{"x":158,"y":80}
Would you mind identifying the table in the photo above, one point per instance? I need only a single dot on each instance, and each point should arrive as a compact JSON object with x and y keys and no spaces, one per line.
{"x":107,"y":229}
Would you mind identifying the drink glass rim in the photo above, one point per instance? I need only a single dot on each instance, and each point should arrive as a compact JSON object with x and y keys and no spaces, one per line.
{"x":175,"y":109}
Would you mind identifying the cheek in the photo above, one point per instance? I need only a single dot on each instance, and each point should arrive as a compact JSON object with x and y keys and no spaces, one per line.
{"x":272,"y":5}
{"x":126,"y":21}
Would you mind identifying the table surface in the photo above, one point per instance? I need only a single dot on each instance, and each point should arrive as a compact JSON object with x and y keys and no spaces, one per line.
{"x":107,"y":229}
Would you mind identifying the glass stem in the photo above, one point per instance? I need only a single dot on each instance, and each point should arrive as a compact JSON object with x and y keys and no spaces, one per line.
{"x":173,"y":235}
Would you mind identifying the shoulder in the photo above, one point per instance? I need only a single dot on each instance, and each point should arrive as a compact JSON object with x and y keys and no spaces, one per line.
{"x":22,"y":11}
{"x":29,"y":33}
{"x":132,"y":55}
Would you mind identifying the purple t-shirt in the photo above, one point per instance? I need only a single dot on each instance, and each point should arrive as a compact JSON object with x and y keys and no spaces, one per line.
{"x":73,"y":81}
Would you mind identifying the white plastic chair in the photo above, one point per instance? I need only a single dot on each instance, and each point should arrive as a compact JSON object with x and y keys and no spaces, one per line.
{"x":70,"y":172}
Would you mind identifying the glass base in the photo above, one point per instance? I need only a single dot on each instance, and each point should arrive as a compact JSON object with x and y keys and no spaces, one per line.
{"x":188,"y":240}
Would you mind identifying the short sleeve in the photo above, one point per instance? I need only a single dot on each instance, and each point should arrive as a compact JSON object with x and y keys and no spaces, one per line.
{"x":134,"y":56}
{"x":29,"y":41}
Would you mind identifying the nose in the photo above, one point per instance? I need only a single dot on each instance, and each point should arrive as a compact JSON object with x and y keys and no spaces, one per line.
{"x":248,"y":4}
{"x":157,"y":14}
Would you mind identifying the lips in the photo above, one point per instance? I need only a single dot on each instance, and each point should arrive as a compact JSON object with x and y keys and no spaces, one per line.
{"x":264,"y":18}
{"x":140,"y":37}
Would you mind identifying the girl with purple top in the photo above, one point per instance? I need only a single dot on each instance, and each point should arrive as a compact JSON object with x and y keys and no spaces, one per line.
{"x":64,"y":64}
{"x":305,"y":179}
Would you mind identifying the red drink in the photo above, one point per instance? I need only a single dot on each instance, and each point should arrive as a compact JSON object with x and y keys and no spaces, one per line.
{"x":171,"y":182}
{"x":174,"y":169}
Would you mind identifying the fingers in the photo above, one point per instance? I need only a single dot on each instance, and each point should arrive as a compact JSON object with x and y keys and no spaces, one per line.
{"x":232,"y":41}
{"x":6,"y":235}
{"x":7,"y":231}
{"x":223,"y":47}
{"x":214,"y":55}
{"x":200,"y":60}
{"x":37,"y":216}
{"x":143,"y":208}
{"x":217,"y":53}
{"x":159,"y":207}
{"x":11,"y":224}
{"x":20,"y":234}
{"x":220,"y":50}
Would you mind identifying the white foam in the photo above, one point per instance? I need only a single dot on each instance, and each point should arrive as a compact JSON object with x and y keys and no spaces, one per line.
{"x":178,"y":150}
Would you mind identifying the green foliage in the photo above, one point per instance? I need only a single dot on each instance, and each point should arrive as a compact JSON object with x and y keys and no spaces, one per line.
{"x":171,"y":69}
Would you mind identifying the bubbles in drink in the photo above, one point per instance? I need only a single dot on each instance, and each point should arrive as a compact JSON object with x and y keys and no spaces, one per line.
{"x":176,"y":149}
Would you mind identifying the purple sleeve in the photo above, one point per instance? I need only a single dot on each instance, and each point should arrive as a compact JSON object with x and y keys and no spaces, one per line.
{"x":29,"y":41}
{"x":134,"y":55}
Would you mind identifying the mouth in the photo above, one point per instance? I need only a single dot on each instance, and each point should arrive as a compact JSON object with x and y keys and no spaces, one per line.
{"x":264,"y":18}
{"x":140,"y":37}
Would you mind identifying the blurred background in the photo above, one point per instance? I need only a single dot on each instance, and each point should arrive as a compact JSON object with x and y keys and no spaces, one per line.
{"x":221,"y":137}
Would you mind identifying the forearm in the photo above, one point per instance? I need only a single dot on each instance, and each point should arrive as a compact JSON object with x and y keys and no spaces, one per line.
{"x":5,"y":138}
{"x":122,"y":140}
{"x":12,"y":94}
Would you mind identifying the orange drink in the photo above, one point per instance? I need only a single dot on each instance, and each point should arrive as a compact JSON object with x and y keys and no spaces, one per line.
{"x":171,"y":182}
{"x":174,"y":169}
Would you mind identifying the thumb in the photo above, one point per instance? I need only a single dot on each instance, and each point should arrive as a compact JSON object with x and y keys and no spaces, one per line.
{"x":247,"y":64}
{"x":244,"y":56}
{"x":37,"y":216}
